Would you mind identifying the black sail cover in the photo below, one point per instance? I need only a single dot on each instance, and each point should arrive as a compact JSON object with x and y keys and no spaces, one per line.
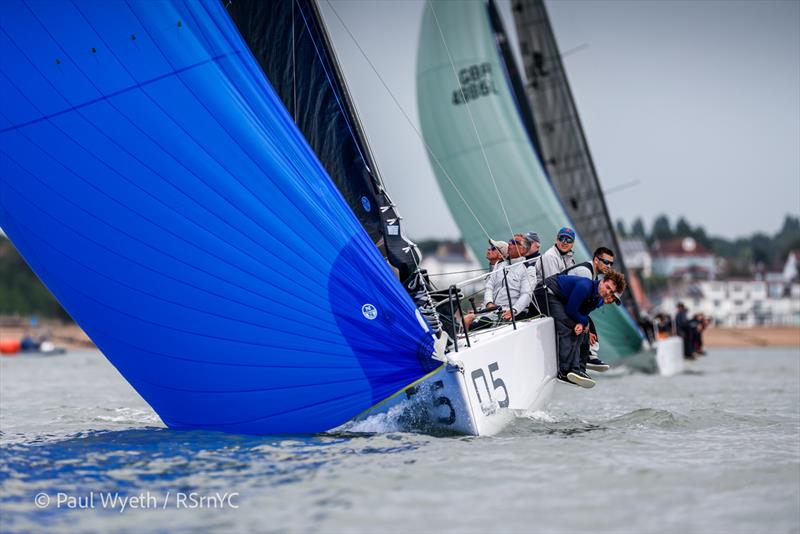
{"x":289,"y":41}
{"x":559,"y":138}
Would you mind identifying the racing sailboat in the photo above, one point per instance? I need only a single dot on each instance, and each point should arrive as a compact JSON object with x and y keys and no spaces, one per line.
{"x":160,"y":187}
{"x":477,"y":120}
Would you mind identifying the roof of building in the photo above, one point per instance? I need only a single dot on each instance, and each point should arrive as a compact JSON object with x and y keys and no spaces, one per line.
{"x":685,"y":246}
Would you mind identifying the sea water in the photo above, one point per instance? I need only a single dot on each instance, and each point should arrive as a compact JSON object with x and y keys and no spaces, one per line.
{"x":716,"y":449}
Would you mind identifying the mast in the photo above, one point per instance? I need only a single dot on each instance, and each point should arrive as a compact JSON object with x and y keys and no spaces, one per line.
{"x":560,"y":139}
{"x":293,"y":47}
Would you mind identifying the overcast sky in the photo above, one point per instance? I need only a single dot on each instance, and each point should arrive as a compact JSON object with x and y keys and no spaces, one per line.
{"x":697,"y":100}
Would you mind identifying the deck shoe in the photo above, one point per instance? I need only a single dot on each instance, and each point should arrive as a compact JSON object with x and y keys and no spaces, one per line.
{"x":581,"y":379}
{"x":596,"y":364}
{"x":562,"y":377}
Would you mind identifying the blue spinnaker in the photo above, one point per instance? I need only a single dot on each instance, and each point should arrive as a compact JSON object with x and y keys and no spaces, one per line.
{"x":156,"y":184}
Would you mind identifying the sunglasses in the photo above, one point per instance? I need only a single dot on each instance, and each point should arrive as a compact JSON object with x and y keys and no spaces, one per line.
{"x":566,"y":239}
{"x":607,"y":262}
{"x":492,"y":248}
{"x":514,"y":242}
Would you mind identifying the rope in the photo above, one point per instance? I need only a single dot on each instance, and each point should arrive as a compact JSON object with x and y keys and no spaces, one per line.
{"x":471,"y":119}
{"x":429,"y":313}
{"x":408,"y":119}
{"x":458,"y":272}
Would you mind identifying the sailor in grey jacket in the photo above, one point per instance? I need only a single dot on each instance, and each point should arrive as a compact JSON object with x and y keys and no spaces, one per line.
{"x":560,"y":256}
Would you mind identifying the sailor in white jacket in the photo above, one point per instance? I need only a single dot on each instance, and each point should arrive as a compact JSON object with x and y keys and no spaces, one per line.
{"x":508,"y":279}
{"x":518,"y":287}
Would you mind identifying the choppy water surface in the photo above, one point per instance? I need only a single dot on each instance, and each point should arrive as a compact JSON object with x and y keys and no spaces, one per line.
{"x":714,"y":450}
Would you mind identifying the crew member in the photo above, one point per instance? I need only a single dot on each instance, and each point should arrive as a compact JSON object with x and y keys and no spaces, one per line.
{"x":575,"y":297}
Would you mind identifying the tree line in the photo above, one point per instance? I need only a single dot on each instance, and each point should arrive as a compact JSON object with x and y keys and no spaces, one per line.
{"x":756,"y":252}
{"x":21,"y":292}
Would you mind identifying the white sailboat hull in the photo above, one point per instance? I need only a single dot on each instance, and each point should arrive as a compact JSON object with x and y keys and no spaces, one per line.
{"x":503,"y":372}
{"x":669,"y":356}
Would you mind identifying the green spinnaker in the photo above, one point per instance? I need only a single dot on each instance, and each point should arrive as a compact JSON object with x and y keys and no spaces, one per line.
{"x":459,"y":65}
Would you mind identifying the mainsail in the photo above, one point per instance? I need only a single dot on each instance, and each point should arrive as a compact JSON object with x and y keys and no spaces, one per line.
{"x":158,"y":186}
{"x":560,"y":141}
{"x":494,"y":178}
{"x":291,"y":44}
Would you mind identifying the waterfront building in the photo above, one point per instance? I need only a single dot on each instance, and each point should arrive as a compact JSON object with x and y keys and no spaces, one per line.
{"x":683,"y":258}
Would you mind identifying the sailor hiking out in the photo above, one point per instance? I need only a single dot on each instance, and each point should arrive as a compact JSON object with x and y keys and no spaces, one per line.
{"x":574,"y":298}
{"x":602,"y":262}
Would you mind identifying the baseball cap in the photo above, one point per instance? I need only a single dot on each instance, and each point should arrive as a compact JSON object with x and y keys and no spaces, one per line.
{"x":502,"y":246}
{"x":567,"y":232}
{"x":533,"y":236}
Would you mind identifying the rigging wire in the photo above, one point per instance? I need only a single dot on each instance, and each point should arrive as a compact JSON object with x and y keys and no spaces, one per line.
{"x":429,"y":311}
{"x":471,"y":118}
{"x":460,"y":272}
{"x":294,"y":73}
{"x":335,"y":94}
{"x":408,"y":119}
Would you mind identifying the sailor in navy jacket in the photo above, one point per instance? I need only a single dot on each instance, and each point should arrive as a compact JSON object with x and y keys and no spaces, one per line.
{"x":575,"y":297}
{"x":580,"y":296}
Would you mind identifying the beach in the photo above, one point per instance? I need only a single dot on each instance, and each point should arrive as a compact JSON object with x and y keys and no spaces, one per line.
{"x":71,"y":336}
{"x":756,"y":336}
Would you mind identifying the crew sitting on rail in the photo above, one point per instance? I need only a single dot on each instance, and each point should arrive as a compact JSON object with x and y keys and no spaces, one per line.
{"x":574,"y":298}
{"x":530,"y":266}
{"x":496,"y":253}
{"x":507,"y":279}
{"x":533,"y":257}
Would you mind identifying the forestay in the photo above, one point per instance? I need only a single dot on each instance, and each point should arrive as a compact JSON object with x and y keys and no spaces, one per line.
{"x":158,"y":186}
{"x":289,"y":41}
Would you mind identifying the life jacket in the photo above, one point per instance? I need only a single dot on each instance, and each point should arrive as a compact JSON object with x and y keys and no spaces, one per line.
{"x":586,"y":264}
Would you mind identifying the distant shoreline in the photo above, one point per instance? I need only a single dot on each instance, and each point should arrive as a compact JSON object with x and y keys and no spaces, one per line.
{"x":755,"y":336}
{"x":63,"y":334}
{"x":71,"y":336}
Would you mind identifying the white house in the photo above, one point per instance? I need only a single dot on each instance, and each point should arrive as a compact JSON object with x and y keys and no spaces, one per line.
{"x":739,"y":302}
{"x":684,"y":258}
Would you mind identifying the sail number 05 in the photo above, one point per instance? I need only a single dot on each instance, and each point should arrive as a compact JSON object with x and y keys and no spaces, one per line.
{"x":497,"y":382}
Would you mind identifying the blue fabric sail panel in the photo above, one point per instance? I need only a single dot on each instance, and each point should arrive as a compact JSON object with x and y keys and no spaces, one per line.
{"x":154,"y":181}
